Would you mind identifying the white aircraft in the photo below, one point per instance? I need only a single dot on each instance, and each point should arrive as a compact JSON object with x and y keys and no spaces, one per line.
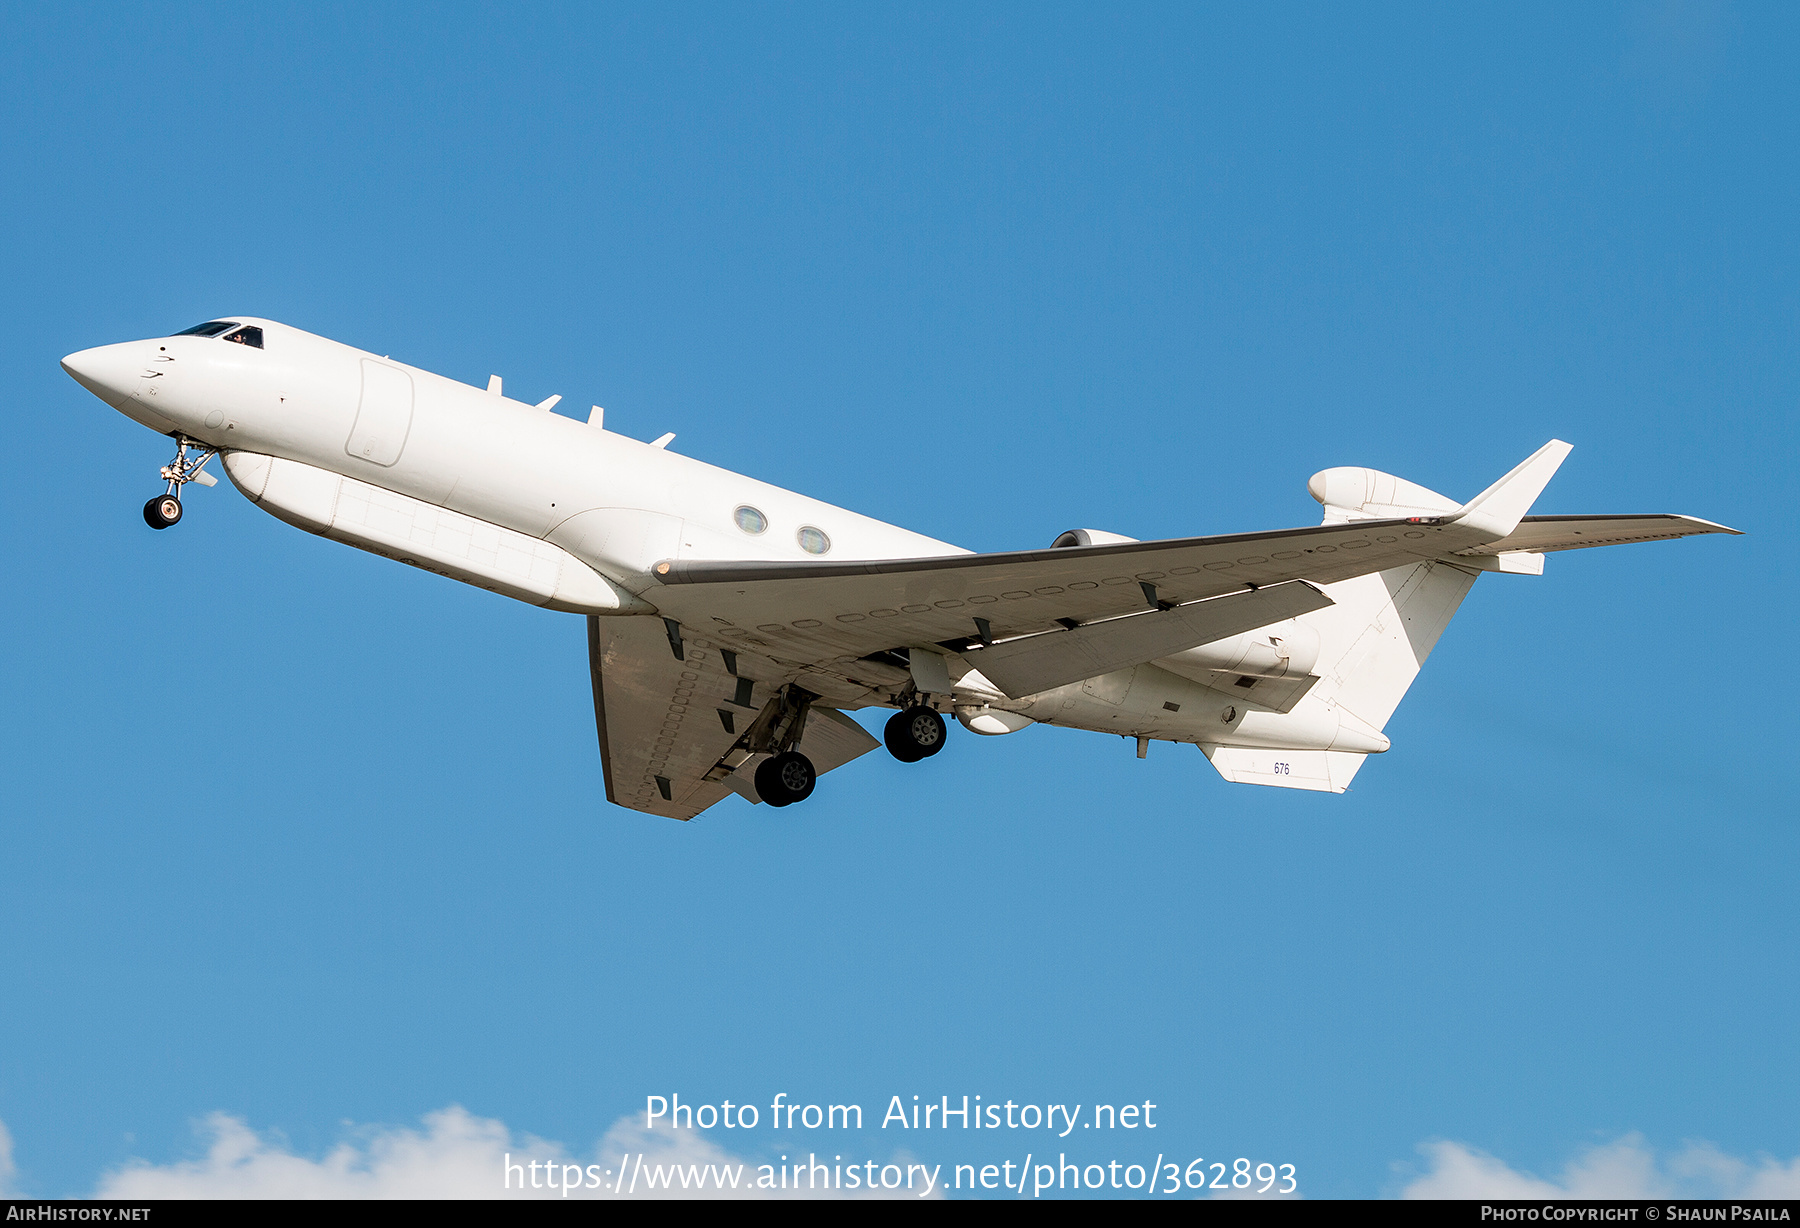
{"x":731,"y":623}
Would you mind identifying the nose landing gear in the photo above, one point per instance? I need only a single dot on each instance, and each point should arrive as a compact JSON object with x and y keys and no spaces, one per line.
{"x":162,"y":511}
{"x":165,"y":510}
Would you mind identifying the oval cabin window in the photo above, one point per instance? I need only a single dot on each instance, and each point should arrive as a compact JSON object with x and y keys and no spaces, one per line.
{"x":750,"y":520}
{"x":814,"y":541}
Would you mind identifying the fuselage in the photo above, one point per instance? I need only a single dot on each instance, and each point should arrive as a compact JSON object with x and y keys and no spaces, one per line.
{"x":476,"y":452}
{"x":598,"y":499}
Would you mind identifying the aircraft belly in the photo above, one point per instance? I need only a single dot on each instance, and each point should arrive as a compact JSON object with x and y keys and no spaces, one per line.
{"x":426,"y":536}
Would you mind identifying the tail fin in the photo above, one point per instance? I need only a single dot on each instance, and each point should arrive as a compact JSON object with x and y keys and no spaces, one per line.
{"x":1369,"y":494}
{"x":1498,"y":509}
{"x":1386,"y":625}
{"x":1372,"y":643}
{"x":1381,"y":627}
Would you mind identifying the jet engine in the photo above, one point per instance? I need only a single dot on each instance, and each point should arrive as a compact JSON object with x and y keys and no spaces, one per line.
{"x":1088,"y":537}
{"x":991,"y":722}
{"x":1281,"y":650}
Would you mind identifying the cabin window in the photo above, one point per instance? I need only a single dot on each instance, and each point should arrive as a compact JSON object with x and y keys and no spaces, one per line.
{"x":248,"y":335}
{"x":814,"y":541}
{"x":212,"y":328}
{"x":750,"y":520}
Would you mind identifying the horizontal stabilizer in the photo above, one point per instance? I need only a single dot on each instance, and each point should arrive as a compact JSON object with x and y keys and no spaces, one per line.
{"x":1543,"y":534}
{"x":1321,"y":771}
{"x":1035,"y":663}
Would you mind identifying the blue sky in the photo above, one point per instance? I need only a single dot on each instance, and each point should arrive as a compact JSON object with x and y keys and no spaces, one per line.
{"x":301,"y":836}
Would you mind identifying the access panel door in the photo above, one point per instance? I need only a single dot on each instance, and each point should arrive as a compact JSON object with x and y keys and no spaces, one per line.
{"x":384,"y":415}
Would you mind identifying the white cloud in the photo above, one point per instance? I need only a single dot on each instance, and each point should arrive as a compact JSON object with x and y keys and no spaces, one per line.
{"x":6,"y":1162}
{"x":454,"y":1155}
{"x":1625,"y":1168}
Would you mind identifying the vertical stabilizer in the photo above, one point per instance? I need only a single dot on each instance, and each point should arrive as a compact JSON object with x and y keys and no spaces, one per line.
{"x":1372,"y":643}
{"x":1380,"y":632}
{"x":1498,"y":509}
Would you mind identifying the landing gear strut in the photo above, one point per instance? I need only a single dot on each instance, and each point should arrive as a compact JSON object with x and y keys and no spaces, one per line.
{"x":786,"y":776}
{"x":165,"y":510}
{"x":915,"y":734}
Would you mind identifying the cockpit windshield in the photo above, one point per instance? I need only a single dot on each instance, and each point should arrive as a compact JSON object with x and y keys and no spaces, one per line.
{"x":249,"y":334}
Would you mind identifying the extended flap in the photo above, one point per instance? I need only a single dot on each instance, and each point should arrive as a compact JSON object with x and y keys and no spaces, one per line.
{"x":1035,"y":663}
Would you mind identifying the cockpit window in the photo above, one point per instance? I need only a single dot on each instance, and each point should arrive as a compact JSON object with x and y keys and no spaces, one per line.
{"x":248,"y":335}
{"x":212,"y":328}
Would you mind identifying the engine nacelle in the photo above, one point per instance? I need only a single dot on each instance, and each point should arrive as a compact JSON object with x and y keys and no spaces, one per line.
{"x":1369,"y":494}
{"x":991,"y":722}
{"x":1282,"y":650}
{"x":1088,"y":537}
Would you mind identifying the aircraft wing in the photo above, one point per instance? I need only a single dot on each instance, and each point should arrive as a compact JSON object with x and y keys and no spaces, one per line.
{"x":842,"y":611}
{"x":1542,"y":534}
{"x":665,"y":721}
{"x":1035,"y":663}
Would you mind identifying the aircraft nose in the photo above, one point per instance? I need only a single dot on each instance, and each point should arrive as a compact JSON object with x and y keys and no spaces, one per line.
{"x":107,"y":371}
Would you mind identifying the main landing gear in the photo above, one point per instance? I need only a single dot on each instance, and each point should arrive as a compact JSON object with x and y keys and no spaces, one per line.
{"x":915,"y":734}
{"x":786,"y":778}
{"x":165,"y":510}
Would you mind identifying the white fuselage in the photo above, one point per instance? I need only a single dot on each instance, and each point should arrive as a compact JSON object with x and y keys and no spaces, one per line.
{"x":467,"y":449}
{"x":293,"y":417}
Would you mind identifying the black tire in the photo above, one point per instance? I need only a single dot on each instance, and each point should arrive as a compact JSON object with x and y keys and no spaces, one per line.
{"x":915,"y":734}
{"x":162,"y":512}
{"x":767,"y":786}
{"x":785,"y":779}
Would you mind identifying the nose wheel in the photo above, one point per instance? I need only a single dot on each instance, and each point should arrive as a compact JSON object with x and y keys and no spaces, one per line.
{"x":164,"y":511}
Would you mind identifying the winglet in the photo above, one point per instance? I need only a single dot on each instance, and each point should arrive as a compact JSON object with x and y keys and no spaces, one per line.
{"x":1497,"y":510}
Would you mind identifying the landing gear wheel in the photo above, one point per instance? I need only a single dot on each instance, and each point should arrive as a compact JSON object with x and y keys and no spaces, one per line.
{"x":786,"y":778}
{"x":162,"y":511}
{"x":165,"y":509}
{"x":915,"y":734}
